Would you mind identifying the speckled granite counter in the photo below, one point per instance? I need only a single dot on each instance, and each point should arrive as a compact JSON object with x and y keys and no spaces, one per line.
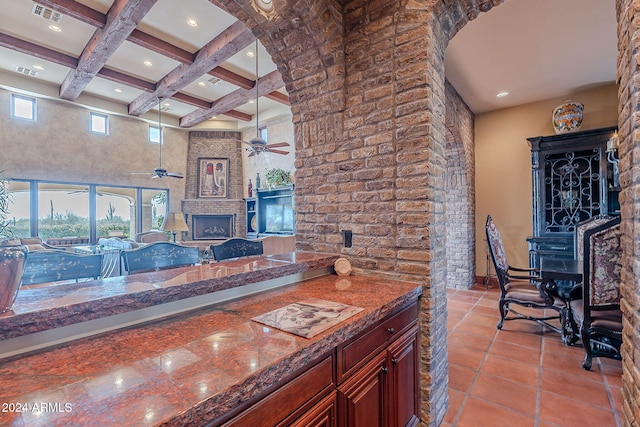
{"x":56,"y":306}
{"x":189,"y":368}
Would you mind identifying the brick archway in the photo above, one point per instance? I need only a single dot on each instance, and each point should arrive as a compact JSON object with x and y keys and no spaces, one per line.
{"x":367,"y":87}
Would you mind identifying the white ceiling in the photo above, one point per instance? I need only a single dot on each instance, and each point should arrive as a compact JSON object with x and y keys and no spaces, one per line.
{"x":535,"y":49}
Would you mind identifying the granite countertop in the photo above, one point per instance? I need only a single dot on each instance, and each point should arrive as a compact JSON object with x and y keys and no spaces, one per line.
{"x":43,"y":308}
{"x":189,"y":368}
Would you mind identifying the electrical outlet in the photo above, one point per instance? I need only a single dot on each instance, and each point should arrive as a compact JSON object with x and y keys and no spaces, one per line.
{"x":348,"y":238}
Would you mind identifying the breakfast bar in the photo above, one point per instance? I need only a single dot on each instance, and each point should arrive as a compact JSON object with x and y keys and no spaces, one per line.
{"x":213,"y":364}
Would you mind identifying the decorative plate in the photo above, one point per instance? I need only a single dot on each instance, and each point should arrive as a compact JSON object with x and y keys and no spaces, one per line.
{"x":254,"y":223}
{"x":342,"y":267}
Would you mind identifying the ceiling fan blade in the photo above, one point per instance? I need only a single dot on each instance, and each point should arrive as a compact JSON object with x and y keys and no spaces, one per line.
{"x":141,"y":173}
{"x":253,"y":153}
{"x":278,"y":151}
{"x":174,"y":175}
{"x":278,"y":144}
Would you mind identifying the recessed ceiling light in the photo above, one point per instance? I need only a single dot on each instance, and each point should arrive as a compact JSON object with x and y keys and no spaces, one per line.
{"x":251,"y":101}
{"x":192,"y":22}
{"x":502,"y":94}
{"x":148,"y":63}
{"x":251,"y":53}
{"x":55,"y":28}
{"x":264,"y":5}
{"x":38,"y":67}
{"x":202,"y":84}
{"x":118,"y":90}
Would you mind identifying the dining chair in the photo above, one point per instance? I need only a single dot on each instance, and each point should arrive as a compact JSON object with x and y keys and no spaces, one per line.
{"x":598,"y":313}
{"x":236,"y":247}
{"x":521,"y":286}
{"x":157,"y":256}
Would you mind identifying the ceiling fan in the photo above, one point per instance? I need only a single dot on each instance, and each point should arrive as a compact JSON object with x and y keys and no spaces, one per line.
{"x":258,"y":145}
{"x":160,"y":172}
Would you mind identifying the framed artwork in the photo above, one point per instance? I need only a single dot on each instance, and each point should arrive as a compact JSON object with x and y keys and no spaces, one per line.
{"x":213,"y":177}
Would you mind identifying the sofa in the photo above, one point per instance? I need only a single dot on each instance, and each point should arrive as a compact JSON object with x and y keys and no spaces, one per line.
{"x":32,"y":243}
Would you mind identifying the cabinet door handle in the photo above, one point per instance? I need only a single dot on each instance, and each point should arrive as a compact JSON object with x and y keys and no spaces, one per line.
{"x":385,"y":370}
{"x":394,"y":361}
{"x":391,"y":330}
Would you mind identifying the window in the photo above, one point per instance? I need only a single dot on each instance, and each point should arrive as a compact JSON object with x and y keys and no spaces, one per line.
{"x":23,"y":107}
{"x":99,"y":123}
{"x":89,"y":211}
{"x":154,"y":134}
{"x":263,"y":132}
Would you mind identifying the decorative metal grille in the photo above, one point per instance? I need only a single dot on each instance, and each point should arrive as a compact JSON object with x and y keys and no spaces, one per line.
{"x":571,"y":189}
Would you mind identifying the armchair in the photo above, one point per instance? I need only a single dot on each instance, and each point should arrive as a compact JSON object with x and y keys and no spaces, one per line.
{"x":520,"y":286}
{"x":598,"y":313}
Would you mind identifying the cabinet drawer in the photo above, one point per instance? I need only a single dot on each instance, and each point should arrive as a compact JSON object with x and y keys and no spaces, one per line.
{"x":358,"y":351}
{"x":310,"y":386}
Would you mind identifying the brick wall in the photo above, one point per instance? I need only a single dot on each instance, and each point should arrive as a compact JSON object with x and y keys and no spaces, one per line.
{"x":215,"y":144}
{"x":374,"y":154}
{"x":628,"y":13}
{"x":459,"y":192}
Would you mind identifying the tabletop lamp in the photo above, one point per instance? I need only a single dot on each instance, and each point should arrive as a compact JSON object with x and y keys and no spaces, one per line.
{"x":175,"y":222}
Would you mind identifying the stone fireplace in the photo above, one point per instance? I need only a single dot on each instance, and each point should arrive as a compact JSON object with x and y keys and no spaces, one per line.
{"x":212,"y":227}
{"x":211,"y":219}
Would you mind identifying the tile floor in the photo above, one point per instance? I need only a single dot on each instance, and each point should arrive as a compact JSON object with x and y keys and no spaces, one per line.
{"x":522,"y":375}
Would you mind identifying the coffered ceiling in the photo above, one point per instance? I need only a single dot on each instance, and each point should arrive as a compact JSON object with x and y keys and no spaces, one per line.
{"x":124,"y":60}
{"x":195,"y":57}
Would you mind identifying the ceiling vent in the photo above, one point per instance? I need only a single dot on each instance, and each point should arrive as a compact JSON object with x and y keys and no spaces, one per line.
{"x":46,"y":13}
{"x":165,"y":108}
{"x":214,"y":80}
{"x":26,"y":71}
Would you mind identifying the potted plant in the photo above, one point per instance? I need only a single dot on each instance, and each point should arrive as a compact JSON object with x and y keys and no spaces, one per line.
{"x":12,"y":254}
{"x":277,"y":177}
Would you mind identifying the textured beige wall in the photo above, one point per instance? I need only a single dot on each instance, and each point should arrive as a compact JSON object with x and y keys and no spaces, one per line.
{"x":503,"y":165}
{"x":59,"y":147}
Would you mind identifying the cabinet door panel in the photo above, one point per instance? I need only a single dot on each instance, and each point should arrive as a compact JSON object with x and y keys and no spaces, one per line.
{"x":404,"y":403}
{"x":323,"y":414}
{"x":362,"y":397}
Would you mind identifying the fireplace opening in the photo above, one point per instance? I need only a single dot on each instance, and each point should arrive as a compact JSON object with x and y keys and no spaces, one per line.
{"x":211,"y":227}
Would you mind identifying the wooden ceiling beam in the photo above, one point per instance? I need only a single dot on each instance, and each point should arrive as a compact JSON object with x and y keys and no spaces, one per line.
{"x":235,"y":114}
{"x":279,"y":97}
{"x":231,"y":41}
{"x":97,"y":19}
{"x":41,"y":52}
{"x":266,"y":84}
{"x":231,"y":77}
{"x":122,"y":19}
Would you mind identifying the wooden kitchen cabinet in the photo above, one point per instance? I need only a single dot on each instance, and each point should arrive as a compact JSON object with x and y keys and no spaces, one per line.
{"x":383,"y":391}
{"x":362,"y":399}
{"x":370,"y":380}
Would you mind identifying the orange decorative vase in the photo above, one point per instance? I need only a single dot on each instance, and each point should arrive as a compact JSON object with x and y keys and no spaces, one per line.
{"x":567,"y":117}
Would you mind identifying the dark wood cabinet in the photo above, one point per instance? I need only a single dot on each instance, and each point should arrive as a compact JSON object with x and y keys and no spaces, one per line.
{"x":571,"y":180}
